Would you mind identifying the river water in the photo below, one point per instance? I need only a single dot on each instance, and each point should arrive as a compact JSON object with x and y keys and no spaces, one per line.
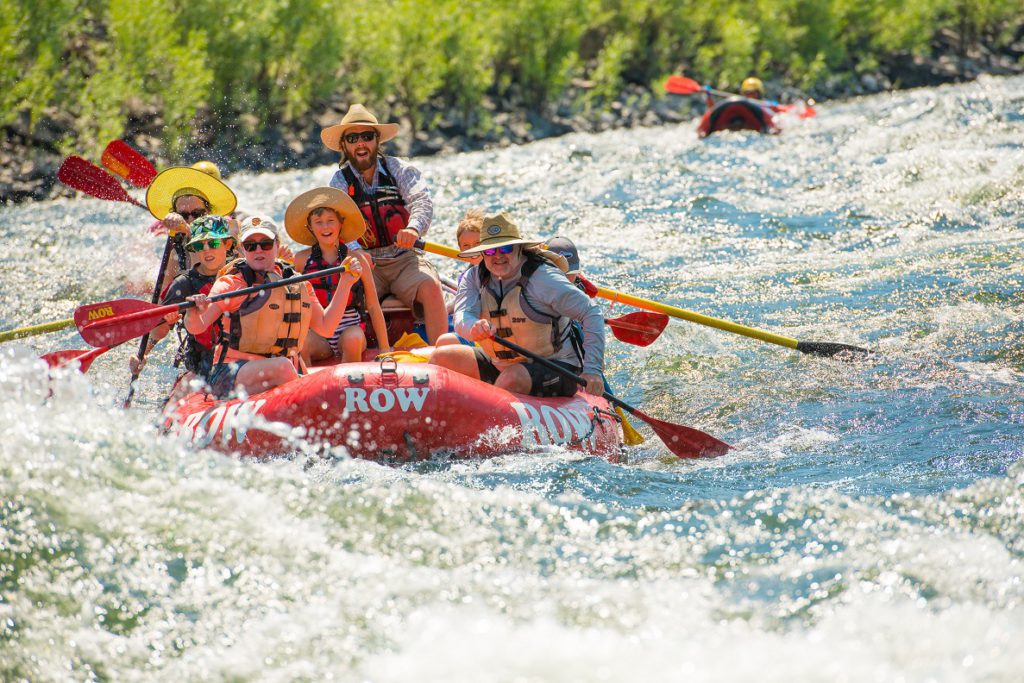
{"x":868,"y":526}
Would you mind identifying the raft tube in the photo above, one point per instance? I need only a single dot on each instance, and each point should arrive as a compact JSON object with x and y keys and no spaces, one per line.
{"x":737,"y":114}
{"x":395,"y":412}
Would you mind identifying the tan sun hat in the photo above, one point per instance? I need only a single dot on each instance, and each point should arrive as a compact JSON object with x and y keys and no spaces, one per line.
{"x":179,"y":181}
{"x":296,"y":216}
{"x":357,"y":115}
{"x":498,"y":231}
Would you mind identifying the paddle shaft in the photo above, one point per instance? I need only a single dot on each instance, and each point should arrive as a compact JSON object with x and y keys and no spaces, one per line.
{"x":33,"y":330}
{"x":161,"y":311}
{"x":164,"y":260}
{"x":653,"y":306}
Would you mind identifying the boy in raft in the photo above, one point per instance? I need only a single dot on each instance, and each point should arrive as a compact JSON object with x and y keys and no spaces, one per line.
{"x":211,"y":241}
{"x":327,"y":219}
{"x":516,"y":293}
{"x":263,"y":333}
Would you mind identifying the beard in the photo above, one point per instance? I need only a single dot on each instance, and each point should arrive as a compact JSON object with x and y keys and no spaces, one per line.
{"x":361,"y":165}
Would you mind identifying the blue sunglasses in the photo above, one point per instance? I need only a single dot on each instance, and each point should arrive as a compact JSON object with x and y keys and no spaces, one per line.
{"x":499,"y":250}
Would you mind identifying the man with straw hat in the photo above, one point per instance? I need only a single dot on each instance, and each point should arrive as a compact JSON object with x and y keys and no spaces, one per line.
{"x":396,"y":204}
{"x":517,"y":294}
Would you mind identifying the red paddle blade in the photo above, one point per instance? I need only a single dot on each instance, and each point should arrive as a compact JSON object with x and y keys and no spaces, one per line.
{"x":685,"y":442}
{"x":83,"y":358}
{"x":85,"y":177}
{"x":804,"y":111}
{"x":123,"y":160}
{"x":680,"y":85}
{"x":639,"y":328}
{"x":111,"y":322}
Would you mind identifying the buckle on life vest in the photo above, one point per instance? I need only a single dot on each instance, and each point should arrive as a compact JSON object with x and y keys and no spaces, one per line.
{"x":292,"y":317}
{"x":505,"y":355}
{"x":504,"y":332}
{"x":292,"y":296}
{"x":287,"y":342}
{"x":499,"y":312}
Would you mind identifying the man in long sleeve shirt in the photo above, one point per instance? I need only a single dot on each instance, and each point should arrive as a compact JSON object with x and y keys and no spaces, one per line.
{"x":396,"y":204}
{"x":517,"y":295}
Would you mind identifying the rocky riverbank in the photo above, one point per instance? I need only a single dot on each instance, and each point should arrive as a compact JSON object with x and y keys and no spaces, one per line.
{"x":30,"y":156}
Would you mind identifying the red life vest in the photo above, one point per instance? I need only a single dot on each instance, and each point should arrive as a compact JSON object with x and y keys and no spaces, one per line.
{"x":384,"y":211}
{"x":327,"y":285}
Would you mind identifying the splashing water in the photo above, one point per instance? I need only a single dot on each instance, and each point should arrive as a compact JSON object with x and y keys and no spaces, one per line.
{"x":868,"y":527}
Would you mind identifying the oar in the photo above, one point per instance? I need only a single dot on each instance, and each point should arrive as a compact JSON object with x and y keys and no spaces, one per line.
{"x":680,"y":85}
{"x":86,"y":177}
{"x":123,"y":160}
{"x":685,"y":442}
{"x":157,"y":288}
{"x":33,"y":330}
{"x":639,"y":328}
{"x":824,"y":349}
{"x":82,"y":357}
{"x":112,"y":322}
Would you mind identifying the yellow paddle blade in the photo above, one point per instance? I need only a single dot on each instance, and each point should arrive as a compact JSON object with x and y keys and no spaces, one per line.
{"x":629,"y":435}
{"x":410,"y":340}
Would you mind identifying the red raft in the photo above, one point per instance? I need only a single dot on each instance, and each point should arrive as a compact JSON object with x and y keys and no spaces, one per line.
{"x":396,"y":412}
{"x":737,"y":114}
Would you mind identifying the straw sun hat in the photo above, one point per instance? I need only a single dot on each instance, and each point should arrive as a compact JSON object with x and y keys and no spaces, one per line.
{"x":357,"y":115}
{"x":297,"y":214}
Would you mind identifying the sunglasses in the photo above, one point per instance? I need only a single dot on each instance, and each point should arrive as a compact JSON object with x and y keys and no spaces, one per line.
{"x":205,"y":244}
{"x":190,"y":216}
{"x":365,"y":136}
{"x":265,"y":245}
{"x":499,"y":250}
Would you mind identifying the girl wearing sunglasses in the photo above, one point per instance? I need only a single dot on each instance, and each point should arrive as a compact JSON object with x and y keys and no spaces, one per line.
{"x":264,"y":332}
{"x":209,"y":246}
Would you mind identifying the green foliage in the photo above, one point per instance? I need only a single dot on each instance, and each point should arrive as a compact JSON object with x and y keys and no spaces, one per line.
{"x":276,"y":60}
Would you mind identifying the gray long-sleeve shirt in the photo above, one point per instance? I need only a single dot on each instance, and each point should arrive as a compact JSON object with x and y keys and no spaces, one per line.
{"x":411,"y":186}
{"x":549,"y":292}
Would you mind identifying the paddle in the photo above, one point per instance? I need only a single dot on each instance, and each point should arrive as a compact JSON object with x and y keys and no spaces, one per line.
{"x":639,"y":328}
{"x":33,"y":330}
{"x":120,"y":158}
{"x":684,"y":442}
{"x":113,"y":322}
{"x":824,"y":349}
{"x":82,"y":357}
{"x":86,"y":177}
{"x":680,"y":85}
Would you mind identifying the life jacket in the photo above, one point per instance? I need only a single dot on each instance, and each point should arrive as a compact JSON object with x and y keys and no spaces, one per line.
{"x":517,"y":320}
{"x":384,"y":210}
{"x":273,"y":322}
{"x":327,"y":285}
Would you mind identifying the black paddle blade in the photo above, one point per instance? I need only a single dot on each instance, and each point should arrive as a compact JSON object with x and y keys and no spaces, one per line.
{"x":832,"y":350}
{"x":685,"y":442}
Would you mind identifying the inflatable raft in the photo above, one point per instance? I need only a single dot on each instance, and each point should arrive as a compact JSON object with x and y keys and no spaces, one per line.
{"x":737,"y":114}
{"x":396,"y":412}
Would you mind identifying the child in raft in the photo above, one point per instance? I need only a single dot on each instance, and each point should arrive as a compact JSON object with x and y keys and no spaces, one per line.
{"x":254,"y":355}
{"x":328,"y":221}
{"x":209,"y":246}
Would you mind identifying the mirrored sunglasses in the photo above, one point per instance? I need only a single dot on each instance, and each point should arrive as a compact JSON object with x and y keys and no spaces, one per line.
{"x":365,"y":136}
{"x":507,"y":249}
{"x":205,"y":244}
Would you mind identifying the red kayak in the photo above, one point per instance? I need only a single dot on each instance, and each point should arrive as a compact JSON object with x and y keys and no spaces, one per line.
{"x":392,"y":411}
{"x":737,"y":114}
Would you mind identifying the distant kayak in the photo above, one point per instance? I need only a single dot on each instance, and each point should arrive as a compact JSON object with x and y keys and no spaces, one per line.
{"x":737,"y":113}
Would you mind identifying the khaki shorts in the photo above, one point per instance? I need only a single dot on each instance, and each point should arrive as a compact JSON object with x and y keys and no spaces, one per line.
{"x":403,"y":275}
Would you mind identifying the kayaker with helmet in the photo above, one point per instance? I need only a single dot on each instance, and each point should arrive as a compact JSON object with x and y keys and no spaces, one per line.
{"x":263,"y":333}
{"x":327,"y":219}
{"x":396,"y":203}
{"x":516,"y":293}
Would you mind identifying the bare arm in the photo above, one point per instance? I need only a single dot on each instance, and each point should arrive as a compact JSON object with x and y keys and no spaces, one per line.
{"x":380,"y":327}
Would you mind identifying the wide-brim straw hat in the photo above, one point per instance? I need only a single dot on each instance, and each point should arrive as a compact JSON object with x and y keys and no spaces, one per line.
{"x":353,"y":225}
{"x":498,"y":231}
{"x":357,"y":115}
{"x":179,"y":181}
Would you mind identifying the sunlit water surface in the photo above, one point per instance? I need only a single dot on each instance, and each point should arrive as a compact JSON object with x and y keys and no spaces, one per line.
{"x":868,"y":527}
